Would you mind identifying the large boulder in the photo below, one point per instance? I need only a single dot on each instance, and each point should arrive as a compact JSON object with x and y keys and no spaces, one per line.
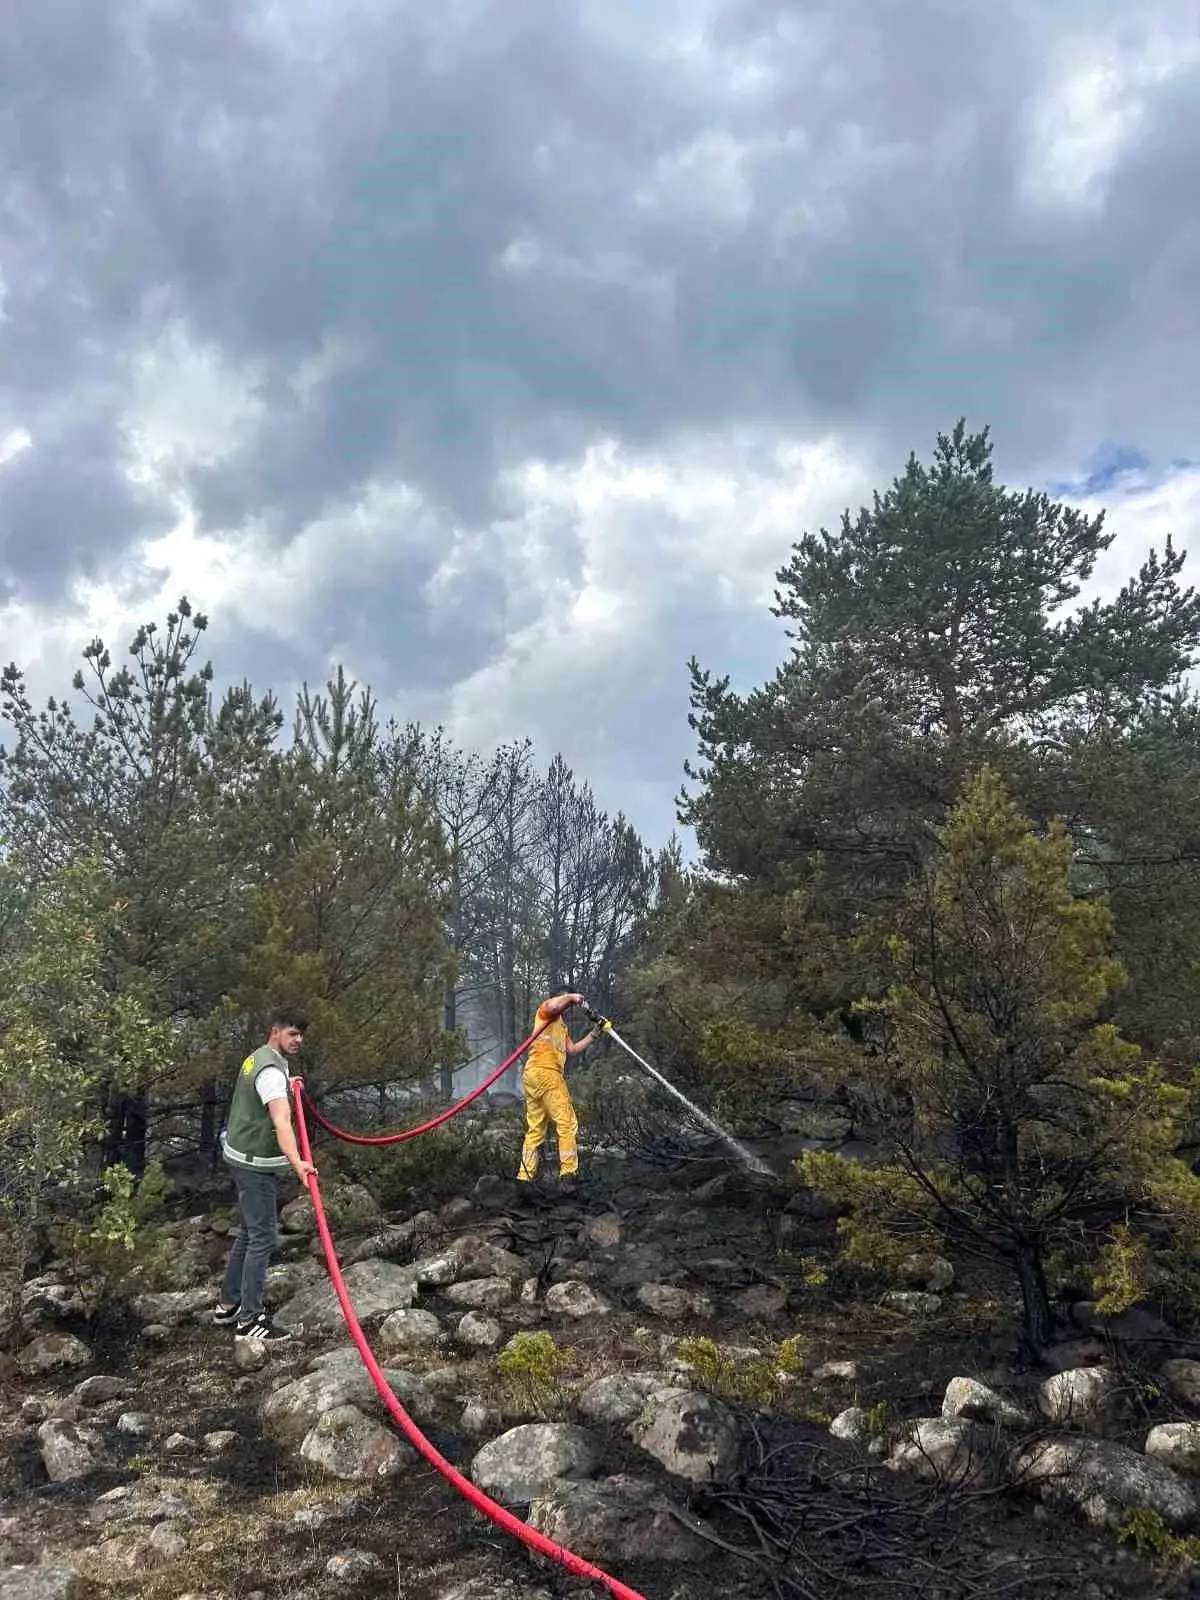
{"x":171,"y":1307}
{"x":346,"y":1444}
{"x":620,"y":1398}
{"x":947,"y":1450}
{"x":1082,"y":1395}
{"x":575,"y":1300}
{"x":851,"y":1426}
{"x":480,"y":1258}
{"x":524,"y":1463}
{"x":477,"y":1331}
{"x":290,"y":1411}
{"x":933,"y":1273}
{"x":394,"y":1240}
{"x":51,"y":1352}
{"x":410,"y":1329}
{"x":1105,"y":1481}
{"x":481,"y":1294}
{"x":68,"y":1451}
{"x":42,"y":1582}
{"x":1181,"y":1380}
{"x":376,"y":1288}
{"x":976,"y":1402}
{"x":1177,"y":1444}
{"x":616,"y":1519}
{"x":347,"y":1205}
{"x":694,"y":1436}
{"x":286,"y":1279}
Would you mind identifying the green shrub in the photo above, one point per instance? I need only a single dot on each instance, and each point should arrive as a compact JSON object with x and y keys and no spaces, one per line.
{"x":118,"y":1247}
{"x":442,"y":1164}
{"x":1149,"y":1535}
{"x":533,"y":1365}
{"x":757,"y":1381}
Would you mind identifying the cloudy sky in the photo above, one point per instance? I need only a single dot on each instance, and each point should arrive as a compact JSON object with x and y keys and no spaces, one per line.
{"x":499,"y":348}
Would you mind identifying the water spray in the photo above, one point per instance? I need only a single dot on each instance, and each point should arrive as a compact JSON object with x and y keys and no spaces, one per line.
{"x":747,"y":1157}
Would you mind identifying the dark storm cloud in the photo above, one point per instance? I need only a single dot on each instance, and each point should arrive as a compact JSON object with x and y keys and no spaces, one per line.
{"x":65,"y":499}
{"x":438,"y":239}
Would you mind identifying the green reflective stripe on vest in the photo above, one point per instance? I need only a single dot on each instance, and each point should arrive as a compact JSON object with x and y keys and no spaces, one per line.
{"x":249,"y":1131}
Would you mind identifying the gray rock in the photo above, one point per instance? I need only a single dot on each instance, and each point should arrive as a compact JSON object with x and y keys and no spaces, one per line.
{"x":912,"y":1301}
{"x":852,"y":1426}
{"x":349,"y":1205}
{"x":136,"y":1424}
{"x":286,"y":1279}
{"x":1105,"y":1481}
{"x":478,"y":1418}
{"x":934,"y":1273}
{"x":42,"y":1582}
{"x":489,"y":1588}
{"x":763,"y":1300}
{"x":480,"y":1258}
{"x":346,"y":1444}
{"x":836,"y":1372}
{"x":249,"y":1355}
{"x":947,"y":1450}
{"x":694,"y":1436}
{"x":221,"y":1441}
{"x":576,"y":1301}
{"x":435,"y":1272}
{"x":169,"y":1309}
{"x":1181,"y":1379}
{"x":178,"y":1444}
{"x":1177,"y":1444}
{"x":410,"y":1329}
{"x":46,"y":1297}
{"x":290,"y":1411}
{"x":352,"y":1566}
{"x":1081,"y":1395}
{"x":620,"y":1398}
{"x":821,"y":1123}
{"x":522,"y":1464}
{"x":68,"y":1451}
{"x":975,"y":1402}
{"x":167,"y":1543}
{"x":99,"y":1390}
{"x":394,"y":1240}
{"x":52,"y":1352}
{"x":443,"y":1380}
{"x":605,"y":1232}
{"x":376,"y":1288}
{"x":666,"y":1301}
{"x":481,"y":1294}
{"x":616,"y":1519}
{"x":479,"y":1332}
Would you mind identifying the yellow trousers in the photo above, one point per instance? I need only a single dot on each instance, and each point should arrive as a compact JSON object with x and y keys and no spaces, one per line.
{"x":547,"y":1099}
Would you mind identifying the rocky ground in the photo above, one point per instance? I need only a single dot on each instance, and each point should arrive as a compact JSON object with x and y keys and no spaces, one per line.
{"x":716,"y":1411}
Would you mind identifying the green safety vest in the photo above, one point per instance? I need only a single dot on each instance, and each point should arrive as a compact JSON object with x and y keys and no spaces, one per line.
{"x":248,"y":1138}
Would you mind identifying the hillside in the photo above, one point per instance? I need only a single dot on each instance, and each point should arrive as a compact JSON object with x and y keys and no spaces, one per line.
{"x":704,"y":1341}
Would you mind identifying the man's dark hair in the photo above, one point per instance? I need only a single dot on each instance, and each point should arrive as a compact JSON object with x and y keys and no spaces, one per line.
{"x":287,"y":1017}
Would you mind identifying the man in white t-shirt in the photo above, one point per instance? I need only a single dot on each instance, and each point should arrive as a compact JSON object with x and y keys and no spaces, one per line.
{"x":258,"y":1142}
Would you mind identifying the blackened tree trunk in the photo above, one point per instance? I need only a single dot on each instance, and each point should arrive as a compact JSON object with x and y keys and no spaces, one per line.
{"x":1037,"y":1317}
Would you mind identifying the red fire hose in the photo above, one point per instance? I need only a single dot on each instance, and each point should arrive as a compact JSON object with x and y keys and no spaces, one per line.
{"x":434,"y":1122}
{"x":503,"y":1518}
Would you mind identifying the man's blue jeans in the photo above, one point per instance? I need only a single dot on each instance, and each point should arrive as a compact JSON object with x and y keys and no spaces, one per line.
{"x":254,"y":1241}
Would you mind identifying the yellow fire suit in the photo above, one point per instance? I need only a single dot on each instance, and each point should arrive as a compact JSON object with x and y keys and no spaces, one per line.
{"x":547,"y":1099}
